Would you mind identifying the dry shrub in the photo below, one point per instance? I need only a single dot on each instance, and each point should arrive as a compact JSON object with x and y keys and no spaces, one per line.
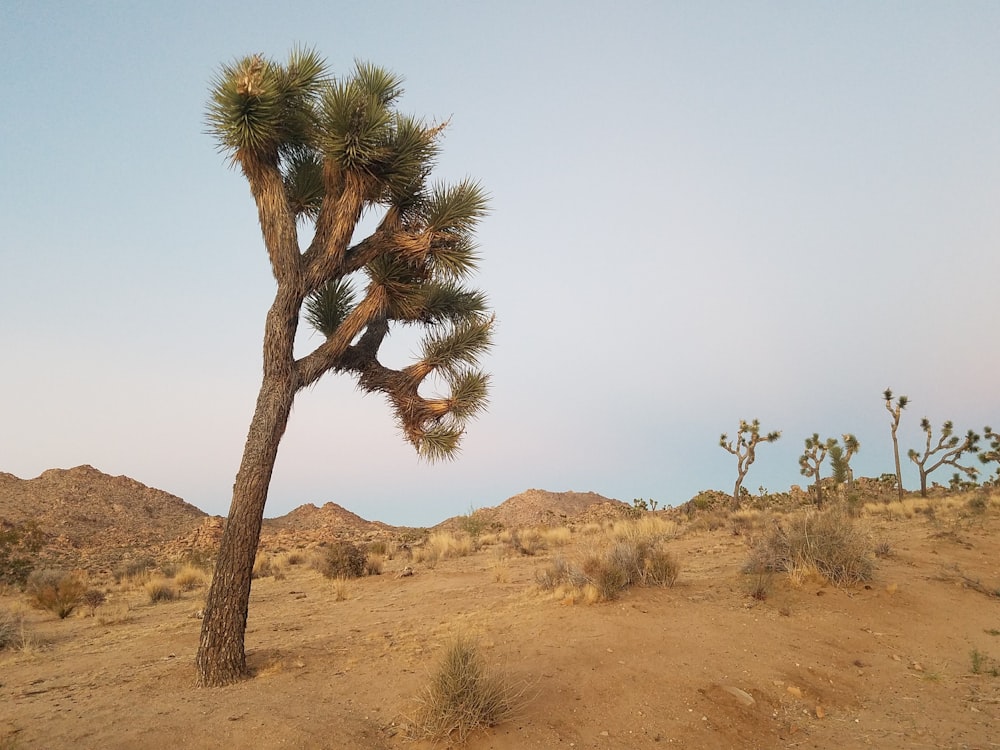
{"x":589,"y":529}
{"x":660,"y":568}
{"x":558,"y":572}
{"x":528,"y":541}
{"x":759,"y":584}
{"x":57,"y":591}
{"x":294,"y":557}
{"x":828,"y":542}
{"x":189,"y":578}
{"x":603,"y":575}
{"x":161,"y":589}
{"x":608,"y":574}
{"x":442,"y":545}
{"x":342,"y":560}
{"x":465,"y":694}
{"x":92,"y":599}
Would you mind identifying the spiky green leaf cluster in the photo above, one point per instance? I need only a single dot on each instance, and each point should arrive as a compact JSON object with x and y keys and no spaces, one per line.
{"x":265,"y":110}
{"x":327,"y":307}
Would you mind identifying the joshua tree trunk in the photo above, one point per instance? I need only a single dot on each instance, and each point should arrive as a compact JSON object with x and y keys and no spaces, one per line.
{"x":221,"y":657}
{"x":899,"y":471}
{"x":736,"y":491}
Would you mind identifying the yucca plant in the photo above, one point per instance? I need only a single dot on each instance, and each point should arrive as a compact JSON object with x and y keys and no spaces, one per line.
{"x":323,"y":151}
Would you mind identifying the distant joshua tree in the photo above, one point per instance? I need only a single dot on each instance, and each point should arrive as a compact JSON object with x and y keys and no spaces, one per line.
{"x":991,"y":454}
{"x":840,"y":460}
{"x":812,"y":458}
{"x":895,"y":410}
{"x":744,"y":448}
{"x":953,"y":448}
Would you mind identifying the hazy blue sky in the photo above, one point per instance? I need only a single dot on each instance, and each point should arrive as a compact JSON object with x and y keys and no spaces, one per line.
{"x":702,"y":211}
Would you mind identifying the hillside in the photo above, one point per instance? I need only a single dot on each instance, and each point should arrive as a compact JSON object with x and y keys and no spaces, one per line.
{"x":540,"y":507}
{"x":83,"y":509}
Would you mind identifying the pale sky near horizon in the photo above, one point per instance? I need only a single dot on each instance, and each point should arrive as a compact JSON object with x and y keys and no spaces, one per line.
{"x":701,"y":212}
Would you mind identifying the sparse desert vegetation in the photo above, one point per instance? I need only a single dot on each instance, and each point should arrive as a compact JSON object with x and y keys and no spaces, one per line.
{"x":776,"y":622}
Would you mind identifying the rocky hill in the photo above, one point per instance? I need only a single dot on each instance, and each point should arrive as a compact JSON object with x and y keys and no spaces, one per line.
{"x":541,"y":507}
{"x":83,"y":509}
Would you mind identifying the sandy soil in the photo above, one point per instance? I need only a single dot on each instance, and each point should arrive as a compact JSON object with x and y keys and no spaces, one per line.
{"x":701,"y":665}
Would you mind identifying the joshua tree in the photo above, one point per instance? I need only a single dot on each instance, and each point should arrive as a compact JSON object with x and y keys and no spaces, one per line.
{"x":895,"y":410}
{"x":322,"y":151}
{"x":992,"y":453}
{"x":840,"y":460}
{"x":952,"y":446}
{"x":745,"y":450}
{"x":812,"y":457}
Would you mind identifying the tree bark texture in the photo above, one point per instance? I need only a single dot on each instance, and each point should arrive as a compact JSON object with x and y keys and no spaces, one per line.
{"x":221,"y":656}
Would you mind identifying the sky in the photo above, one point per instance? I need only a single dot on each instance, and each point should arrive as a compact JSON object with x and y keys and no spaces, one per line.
{"x":701,"y":212}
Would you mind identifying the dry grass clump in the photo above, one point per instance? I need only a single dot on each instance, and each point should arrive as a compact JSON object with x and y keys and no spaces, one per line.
{"x":828,"y":542}
{"x":11,"y":630}
{"x":189,"y":578}
{"x":384,"y":548}
{"x":267,"y":566}
{"x":341,"y":589}
{"x":556,"y":536}
{"x":465,"y":694}
{"x":135,"y":572}
{"x":114,"y":614}
{"x":161,"y":589}
{"x":745,"y":521}
{"x":374,"y":565}
{"x":500,"y":566}
{"x":708,"y":520}
{"x":57,"y":591}
{"x":442,"y":545}
{"x":647,"y":528}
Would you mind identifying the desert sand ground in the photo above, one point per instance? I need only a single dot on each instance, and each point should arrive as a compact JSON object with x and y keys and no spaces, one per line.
{"x":699,"y":665}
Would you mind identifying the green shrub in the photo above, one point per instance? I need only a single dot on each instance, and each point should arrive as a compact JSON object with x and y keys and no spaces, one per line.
{"x":57,"y":591}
